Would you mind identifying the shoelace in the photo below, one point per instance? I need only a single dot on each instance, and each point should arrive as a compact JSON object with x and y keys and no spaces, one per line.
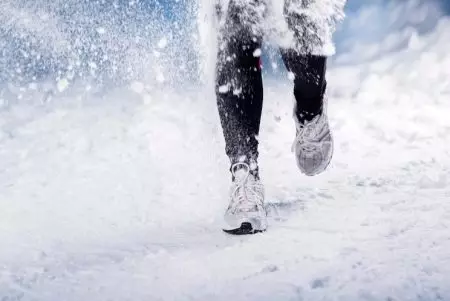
{"x":247,"y":193}
{"x":310,"y":134}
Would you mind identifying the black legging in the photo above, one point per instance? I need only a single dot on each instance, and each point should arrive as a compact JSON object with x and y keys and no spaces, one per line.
{"x":239,"y":86}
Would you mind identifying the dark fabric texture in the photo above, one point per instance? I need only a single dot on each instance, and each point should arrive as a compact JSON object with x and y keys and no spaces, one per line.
{"x":239,"y":86}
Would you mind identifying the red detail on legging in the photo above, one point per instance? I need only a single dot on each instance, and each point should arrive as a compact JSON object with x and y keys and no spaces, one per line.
{"x":260,"y":64}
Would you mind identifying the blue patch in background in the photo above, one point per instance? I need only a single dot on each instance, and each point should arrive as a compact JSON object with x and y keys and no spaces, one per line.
{"x":18,"y":61}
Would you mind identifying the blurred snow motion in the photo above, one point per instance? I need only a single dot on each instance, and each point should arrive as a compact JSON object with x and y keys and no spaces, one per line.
{"x":102,"y":41}
{"x":170,"y":42}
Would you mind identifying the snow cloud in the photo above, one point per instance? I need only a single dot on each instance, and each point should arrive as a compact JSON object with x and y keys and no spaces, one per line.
{"x":374,"y":29}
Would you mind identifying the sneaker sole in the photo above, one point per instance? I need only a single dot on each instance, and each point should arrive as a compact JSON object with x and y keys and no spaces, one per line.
{"x":245,"y":229}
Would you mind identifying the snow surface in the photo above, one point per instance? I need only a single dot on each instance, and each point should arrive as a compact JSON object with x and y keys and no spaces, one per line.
{"x":120,"y":196}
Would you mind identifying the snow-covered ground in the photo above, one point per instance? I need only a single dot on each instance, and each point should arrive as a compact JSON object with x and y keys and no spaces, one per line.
{"x":120,"y":196}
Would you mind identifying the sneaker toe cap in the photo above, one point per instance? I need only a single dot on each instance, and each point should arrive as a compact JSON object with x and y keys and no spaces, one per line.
{"x":314,"y":161}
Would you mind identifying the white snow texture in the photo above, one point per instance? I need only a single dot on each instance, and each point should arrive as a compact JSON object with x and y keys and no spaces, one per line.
{"x":120,"y":195}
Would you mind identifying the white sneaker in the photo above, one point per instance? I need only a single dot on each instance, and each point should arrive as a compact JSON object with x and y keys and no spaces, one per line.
{"x":246,"y":213}
{"x":313,"y":145}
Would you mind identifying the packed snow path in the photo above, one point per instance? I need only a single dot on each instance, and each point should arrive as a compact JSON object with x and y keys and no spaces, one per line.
{"x":120,"y":197}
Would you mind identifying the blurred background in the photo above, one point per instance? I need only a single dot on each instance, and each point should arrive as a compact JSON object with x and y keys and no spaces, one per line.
{"x":375,"y":27}
{"x":155,"y":41}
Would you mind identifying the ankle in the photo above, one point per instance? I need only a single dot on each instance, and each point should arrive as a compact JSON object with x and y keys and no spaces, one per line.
{"x":304,"y":116}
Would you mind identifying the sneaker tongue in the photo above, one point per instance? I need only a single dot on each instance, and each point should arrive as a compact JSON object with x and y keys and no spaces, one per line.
{"x":240,"y":170}
{"x":241,"y":174}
